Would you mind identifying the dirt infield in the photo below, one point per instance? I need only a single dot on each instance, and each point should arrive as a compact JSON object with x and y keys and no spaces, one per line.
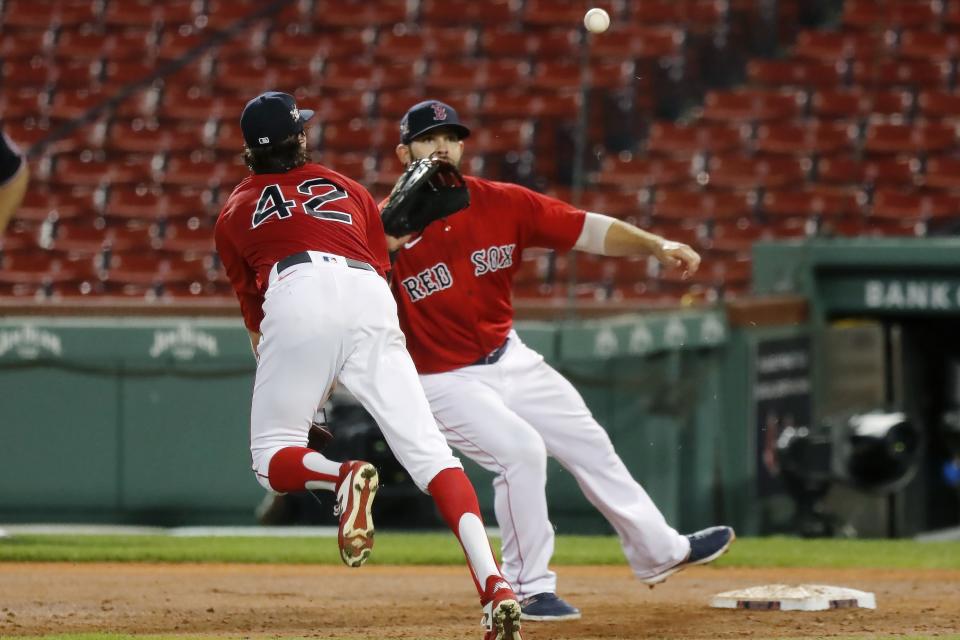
{"x":439,"y":602}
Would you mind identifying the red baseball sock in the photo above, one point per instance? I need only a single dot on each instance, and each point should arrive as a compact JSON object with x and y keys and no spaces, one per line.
{"x":457,"y":501}
{"x":299,"y":468}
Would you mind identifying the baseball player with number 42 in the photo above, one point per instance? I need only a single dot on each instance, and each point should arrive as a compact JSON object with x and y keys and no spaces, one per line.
{"x":495,"y":399}
{"x":304,"y":249}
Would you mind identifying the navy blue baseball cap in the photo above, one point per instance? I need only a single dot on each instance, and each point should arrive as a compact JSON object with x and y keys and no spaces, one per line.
{"x":270,"y":118}
{"x":428,"y":115}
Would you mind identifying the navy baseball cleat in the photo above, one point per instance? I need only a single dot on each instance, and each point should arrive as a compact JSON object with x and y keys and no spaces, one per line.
{"x":705,"y":546}
{"x":547,"y":606}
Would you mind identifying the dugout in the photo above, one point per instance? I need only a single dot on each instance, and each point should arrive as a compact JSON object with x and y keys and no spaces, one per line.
{"x":884,"y":318}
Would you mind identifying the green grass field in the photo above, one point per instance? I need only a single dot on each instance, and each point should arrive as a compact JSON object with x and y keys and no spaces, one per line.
{"x":441,"y":549}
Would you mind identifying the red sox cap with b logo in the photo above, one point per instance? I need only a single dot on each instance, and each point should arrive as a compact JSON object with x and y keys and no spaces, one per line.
{"x":428,"y":115}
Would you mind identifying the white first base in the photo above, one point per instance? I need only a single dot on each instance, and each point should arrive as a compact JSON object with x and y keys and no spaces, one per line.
{"x":803,"y":597}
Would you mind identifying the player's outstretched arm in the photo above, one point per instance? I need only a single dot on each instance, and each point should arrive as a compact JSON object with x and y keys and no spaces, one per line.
{"x":609,"y":237}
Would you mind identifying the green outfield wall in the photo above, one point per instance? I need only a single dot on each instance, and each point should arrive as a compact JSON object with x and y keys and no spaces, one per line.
{"x":145,"y":420}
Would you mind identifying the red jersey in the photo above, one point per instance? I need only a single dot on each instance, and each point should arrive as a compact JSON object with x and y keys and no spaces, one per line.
{"x":453,"y":282}
{"x":273,"y":215}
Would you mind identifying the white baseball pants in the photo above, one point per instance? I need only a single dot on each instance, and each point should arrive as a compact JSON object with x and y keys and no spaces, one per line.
{"x":324,"y":320}
{"x":508,"y":417}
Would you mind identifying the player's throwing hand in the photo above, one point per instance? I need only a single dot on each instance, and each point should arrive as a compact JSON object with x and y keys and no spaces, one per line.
{"x":676,"y":255}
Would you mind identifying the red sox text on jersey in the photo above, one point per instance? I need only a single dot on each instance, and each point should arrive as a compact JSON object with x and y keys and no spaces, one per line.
{"x":438,"y":277}
{"x":453,"y":283}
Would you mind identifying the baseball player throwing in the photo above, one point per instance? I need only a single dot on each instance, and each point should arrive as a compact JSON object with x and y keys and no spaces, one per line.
{"x":304,"y":249}
{"x":495,"y":399}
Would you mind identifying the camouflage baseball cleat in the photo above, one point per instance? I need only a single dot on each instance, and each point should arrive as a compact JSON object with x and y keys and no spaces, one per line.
{"x":355,"y":492}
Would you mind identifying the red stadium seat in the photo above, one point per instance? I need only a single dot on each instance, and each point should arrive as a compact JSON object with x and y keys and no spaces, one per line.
{"x":466,"y":12}
{"x":177,"y":13}
{"x":834,"y":46}
{"x":73,"y":104}
{"x":448,"y":75}
{"x":696,"y":15}
{"x":361,"y":76}
{"x":855,"y":104}
{"x":942,"y":172}
{"x":736,"y":239}
{"x":188,"y":238}
{"x":71,"y":170}
{"x":750,"y":105}
{"x":893,"y":73}
{"x":693,"y":206}
{"x":356,"y":135}
{"x":560,"y":76}
{"x":331,"y":45}
{"x":794,"y":73}
{"x":30,"y":274}
{"x":85,"y":46}
{"x":27,"y":14}
{"x":883,"y":172}
{"x":523,"y":104}
{"x":426,"y":43}
{"x":939,"y":105}
{"x":138,"y":136}
{"x":521,"y":44}
{"x":612,"y":203}
{"x":503,"y":137}
{"x":634,"y":42}
{"x":35,"y":75}
{"x":190,"y":103}
{"x":329,"y":14}
{"x":927,"y":45}
{"x":19,"y":105}
{"x":19,"y":237}
{"x":867,"y":15}
{"x":248,"y":77}
{"x":192,"y":172}
{"x":741,"y":173}
{"x":882,"y":138}
{"x":140,"y":15}
{"x":909,"y":212}
{"x":221,"y":14}
{"x":685,"y":141}
{"x":352,"y":164}
{"x":185,"y":203}
{"x":547,"y":13}
{"x":177,"y":41}
{"x":78,"y":238}
{"x":627,"y":172}
{"x":134,"y":203}
{"x":800,"y":139}
{"x":41,"y":204}
{"x":810,"y":203}
{"x":20,"y":47}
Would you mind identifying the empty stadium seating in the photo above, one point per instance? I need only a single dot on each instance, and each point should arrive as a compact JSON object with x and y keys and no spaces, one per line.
{"x":853,"y":130}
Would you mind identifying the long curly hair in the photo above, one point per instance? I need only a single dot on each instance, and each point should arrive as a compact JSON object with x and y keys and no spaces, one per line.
{"x":277,"y":158}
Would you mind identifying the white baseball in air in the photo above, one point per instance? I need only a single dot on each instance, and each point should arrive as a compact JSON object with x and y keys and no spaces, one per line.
{"x":596,"y":20}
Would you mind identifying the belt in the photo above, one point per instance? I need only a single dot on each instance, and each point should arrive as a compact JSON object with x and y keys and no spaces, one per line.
{"x":493,"y":356}
{"x":304,"y":257}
